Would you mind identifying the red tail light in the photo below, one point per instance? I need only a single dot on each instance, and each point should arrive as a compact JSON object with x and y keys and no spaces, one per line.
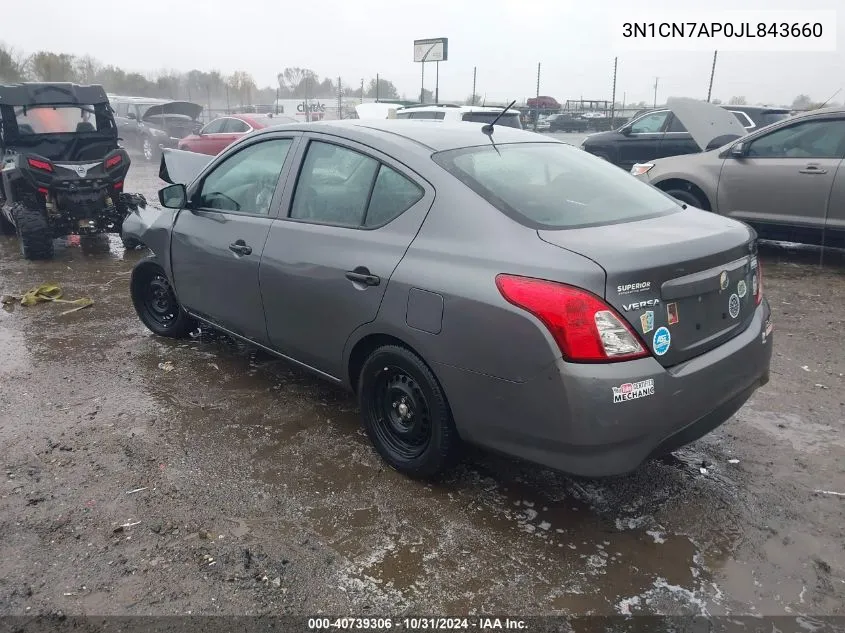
{"x":757,"y":282}
{"x":118,"y":185}
{"x":114,"y":161}
{"x":39,"y":164}
{"x":584,"y":327}
{"x":43,"y":191}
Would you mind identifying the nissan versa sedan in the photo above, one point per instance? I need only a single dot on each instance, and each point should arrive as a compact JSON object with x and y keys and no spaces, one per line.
{"x":469,"y":284}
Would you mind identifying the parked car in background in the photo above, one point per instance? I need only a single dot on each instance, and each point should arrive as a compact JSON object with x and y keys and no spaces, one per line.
{"x":148,"y":125}
{"x":659,"y":133}
{"x":217,"y":135}
{"x":787,"y":180}
{"x":567,"y":122}
{"x":568,"y":314}
{"x":449,"y":112}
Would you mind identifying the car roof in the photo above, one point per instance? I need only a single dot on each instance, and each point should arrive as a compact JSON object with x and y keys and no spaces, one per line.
{"x":433,"y":136}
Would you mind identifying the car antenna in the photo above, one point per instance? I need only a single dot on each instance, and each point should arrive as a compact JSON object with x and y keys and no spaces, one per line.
{"x":829,"y":98}
{"x":488,"y":129}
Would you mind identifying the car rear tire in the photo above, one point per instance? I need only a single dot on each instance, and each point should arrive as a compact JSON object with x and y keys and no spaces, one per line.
{"x":687,"y":197}
{"x":34,"y":234}
{"x":156,"y":303}
{"x":406,"y":414}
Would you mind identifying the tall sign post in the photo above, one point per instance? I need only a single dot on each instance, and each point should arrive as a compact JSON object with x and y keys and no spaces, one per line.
{"x":430,"y":50}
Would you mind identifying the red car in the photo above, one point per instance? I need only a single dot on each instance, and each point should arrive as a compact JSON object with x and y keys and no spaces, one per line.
{"x":222,"y":132}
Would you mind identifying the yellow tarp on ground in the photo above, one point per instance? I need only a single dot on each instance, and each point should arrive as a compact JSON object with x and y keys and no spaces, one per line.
{"x":48,"y":292}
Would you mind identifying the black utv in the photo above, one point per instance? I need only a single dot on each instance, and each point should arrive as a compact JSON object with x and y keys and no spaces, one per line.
{"x":62,"y":168}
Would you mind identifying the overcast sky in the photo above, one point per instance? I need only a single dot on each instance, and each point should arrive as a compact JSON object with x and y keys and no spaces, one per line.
{"x":359,"y":38}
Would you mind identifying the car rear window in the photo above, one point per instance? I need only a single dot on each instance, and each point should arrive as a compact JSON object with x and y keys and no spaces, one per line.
{"x":56,"y":119}
{"x":767,"y":118}
{"x":508,"y":120}
{"x":554,"y":185}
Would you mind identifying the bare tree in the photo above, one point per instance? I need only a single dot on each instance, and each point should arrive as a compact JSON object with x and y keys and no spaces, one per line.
{"x":47,"y":66}
{"x":12,"y":65}
{"x":738,"y":101}
{"x":802,"y":102}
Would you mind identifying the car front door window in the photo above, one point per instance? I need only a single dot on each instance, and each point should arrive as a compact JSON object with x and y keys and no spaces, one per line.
{"x":235,"y":126}
{"x":649,"y":124}
{"x":808,"y":139}
{"x":246,"y":181}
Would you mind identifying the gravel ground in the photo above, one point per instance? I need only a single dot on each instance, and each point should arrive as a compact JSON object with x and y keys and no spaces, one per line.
{"x":236,"y":484}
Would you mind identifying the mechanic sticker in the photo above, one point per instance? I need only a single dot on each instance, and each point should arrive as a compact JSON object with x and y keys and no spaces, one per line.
{"x":733,"y":306}
{"x":723,"y":280}
{"x":672,"y":313}
{"x":741,"y":288}
{"x":767,"y":331}
{"x":647,"y":321}
{"x":633,"y":390}
{"x":662,"y":341}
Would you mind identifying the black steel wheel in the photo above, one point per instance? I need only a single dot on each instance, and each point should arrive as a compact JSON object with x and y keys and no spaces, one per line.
{"x":406,"y":414}
{"x":156,"y":303}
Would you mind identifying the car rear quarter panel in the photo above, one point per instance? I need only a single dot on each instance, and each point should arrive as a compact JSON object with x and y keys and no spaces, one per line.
{"x":461,"y":247}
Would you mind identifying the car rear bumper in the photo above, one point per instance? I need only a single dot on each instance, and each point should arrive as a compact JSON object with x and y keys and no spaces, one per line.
{"x":566,"y":417}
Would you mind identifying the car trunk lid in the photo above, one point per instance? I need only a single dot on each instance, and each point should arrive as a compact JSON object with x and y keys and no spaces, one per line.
{"x":684,"y":282}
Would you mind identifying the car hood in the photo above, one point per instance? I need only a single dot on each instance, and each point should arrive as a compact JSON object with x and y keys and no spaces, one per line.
{"x":181,"y":167}
{"x":704,"y":121}
{"x":185,"y":108}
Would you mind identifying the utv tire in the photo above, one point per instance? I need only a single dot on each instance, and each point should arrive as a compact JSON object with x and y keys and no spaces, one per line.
{"x":687,"y":197}
{"x":6,"y":227}
{"x":156,"y":303}
{"x":406,"y":414}
{"x":34,"y":233}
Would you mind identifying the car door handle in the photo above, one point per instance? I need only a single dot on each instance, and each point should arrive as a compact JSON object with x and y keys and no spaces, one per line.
{"x":812,"y":169}
{"x":363,"y":276}
{"x":239,"y":247}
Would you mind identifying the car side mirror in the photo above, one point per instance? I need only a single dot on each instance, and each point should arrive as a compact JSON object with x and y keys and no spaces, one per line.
{"x":737,"y":150}
{"x":625,"y":130}
{"x":131,"y":115}
{"x":173,"y":197}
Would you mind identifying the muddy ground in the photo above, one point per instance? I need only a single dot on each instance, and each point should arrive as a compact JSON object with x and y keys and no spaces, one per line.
{"x":236,"y":484}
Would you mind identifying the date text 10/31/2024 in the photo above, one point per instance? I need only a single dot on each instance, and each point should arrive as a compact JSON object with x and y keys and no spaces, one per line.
{"x":418,"y":624}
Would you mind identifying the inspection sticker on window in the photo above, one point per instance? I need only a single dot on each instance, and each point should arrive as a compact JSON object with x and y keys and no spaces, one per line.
{"x":774,"y":30}
{"x":633,"y":390}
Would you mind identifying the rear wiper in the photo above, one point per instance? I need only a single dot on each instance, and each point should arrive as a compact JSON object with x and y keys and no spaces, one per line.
{"x":488,"y":129}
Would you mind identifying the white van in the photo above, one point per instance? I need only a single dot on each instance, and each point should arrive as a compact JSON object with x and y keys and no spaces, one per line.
{"x":448,"y":112}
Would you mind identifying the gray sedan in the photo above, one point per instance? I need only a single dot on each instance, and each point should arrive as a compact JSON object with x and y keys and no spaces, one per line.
{"x":469,"y":284}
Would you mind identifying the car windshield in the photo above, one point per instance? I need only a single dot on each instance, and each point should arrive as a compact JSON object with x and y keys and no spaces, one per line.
{"x":508,"y":120}
{"x":554,"y":185}
{"x":56,"y":119}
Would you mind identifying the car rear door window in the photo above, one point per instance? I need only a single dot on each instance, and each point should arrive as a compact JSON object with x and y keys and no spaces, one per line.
{"x":235,"y":126}
{"x":245,"y":182}
{"x":334,"y":185}
{"x":808,"y":139}
{"x":650,"y":124}
{"x":392,"y":195}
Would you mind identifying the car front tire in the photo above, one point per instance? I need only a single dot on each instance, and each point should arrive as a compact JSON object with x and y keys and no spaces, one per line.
{"x":156,"y":303}
{"x":406,"y":414}
{"x":687,"y":197}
